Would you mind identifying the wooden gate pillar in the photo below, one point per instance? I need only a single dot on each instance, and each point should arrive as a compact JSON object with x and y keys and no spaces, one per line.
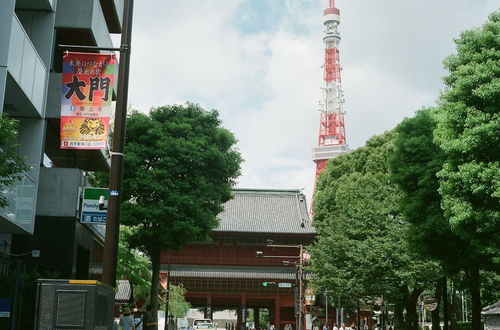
{"x":277,"y":315}
{"x":243,"y":312}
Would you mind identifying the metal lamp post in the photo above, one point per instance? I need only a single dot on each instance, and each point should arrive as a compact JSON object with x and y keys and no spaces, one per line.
{"x":116,"y":172}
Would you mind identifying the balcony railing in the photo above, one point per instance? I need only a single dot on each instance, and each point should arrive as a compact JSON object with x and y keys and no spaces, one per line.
{"x":21,"y":199}
{"x":26,"y":66}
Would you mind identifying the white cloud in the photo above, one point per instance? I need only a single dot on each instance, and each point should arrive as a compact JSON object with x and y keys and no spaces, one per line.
{"x":266,"y":81}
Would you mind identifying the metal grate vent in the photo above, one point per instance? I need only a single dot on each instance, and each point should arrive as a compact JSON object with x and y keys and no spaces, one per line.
{"x":70,"y":309}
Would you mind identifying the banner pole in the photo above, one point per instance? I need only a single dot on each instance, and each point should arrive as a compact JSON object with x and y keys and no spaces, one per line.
{"x":116,"y":171}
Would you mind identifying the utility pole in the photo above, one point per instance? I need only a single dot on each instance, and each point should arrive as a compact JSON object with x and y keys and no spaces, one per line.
{"x":300,"y":276}
{"x":301,"y":291}
{"x":116,"y":172}
{"x":167,"y":295}
{"x":326,"y":306}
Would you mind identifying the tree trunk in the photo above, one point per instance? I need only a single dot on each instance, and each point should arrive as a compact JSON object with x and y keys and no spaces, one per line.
{"x":411,"y":310}
{"x":475,"y":282}
{"x":436,"y":320}
{"x":358,"y":312}
{"x":155,"y":282}
{"x":446,"y":313}
{"x":453,"y":315}
{"x":398,"y":316}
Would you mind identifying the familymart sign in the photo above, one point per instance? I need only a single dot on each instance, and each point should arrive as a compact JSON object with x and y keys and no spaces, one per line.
{"x":90,"y":205}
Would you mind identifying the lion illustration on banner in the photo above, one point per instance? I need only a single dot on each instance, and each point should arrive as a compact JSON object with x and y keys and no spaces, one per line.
{"x":92,"y":126}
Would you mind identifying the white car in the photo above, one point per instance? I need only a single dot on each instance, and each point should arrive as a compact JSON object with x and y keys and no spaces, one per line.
{"x":197,"y":321}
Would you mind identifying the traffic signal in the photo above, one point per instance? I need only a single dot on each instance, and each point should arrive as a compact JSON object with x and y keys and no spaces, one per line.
{"x":269,"y":284}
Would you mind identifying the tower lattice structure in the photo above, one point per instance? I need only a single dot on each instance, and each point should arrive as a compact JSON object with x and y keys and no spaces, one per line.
{"x":332,"y":138}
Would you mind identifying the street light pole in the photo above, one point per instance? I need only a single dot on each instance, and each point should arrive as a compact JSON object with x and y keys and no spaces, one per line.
{"x":326,"y":305}
{"x":300,"y":276}
{"x":116,"y":171}
{"x":301,"y":300}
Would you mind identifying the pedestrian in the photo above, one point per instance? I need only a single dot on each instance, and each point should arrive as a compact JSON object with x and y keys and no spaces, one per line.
{"x":138,"y":320}
{"x":342,"y":327}
{"x":325,"y":327}
{"x":149,"y":322}
{"x":127,"y":320}
{"x":335,"y":327}
{"x":353,"y":326}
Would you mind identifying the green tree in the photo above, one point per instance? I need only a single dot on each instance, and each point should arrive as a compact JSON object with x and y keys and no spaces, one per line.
{"x":12,"y":164}
{"x":362,"y":252}
{"x":468,"y":132}
{"x":180,"y":165}
{"x":177,"y":304}
{"x":414,"y":165}
{"x":134,"y":266}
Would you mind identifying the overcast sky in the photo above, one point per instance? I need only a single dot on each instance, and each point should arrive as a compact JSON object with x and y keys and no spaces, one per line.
{"x":258,"y":62}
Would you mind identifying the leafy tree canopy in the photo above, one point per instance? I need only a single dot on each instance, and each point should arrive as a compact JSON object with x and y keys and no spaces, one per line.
{"x":177,"y":304}
{"x":180,"y":166}
{"x":134,"y":266}
{"x":414,"y":164}
{"x":12,"y":164}
{"x":361,"y":253}
{"x":468,"y":132}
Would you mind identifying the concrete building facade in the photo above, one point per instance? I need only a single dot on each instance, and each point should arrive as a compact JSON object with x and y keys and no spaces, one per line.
{"x":43,"y":211}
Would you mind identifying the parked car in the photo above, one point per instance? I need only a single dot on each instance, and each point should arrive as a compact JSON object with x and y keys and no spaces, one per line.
{"x":197,"y":321}
{"x":204,"y":326}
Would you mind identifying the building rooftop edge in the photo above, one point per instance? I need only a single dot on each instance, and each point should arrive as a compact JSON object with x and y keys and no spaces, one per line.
{"x":259,"y":190}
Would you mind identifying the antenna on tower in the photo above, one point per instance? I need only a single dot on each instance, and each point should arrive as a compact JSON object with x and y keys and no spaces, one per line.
{"x":332,"y":3}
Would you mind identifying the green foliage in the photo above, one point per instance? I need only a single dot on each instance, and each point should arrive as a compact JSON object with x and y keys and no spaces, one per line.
{"x":12,"y":164}
{"x":464,"y":326}
{"x":99,"y":179}
{"x":468,"y":132}
{"x":177,"y":305}
{"x":361,"y":252}
{"x":414,"y":164}
{"x":134,"y":266}
{"x":490,"y":282}
{"x":180,"y":166}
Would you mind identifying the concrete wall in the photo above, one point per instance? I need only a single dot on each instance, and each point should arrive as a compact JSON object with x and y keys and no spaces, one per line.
{"x":85,"y":15}
{"x":39,"y":26}
{"x":59,"y":192}
{"x":6,"y":10}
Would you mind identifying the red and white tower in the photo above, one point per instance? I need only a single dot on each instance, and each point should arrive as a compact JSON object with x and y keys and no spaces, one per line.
{"x":331,"y":139}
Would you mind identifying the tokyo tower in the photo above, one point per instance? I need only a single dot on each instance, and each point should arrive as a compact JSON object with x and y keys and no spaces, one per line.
{"x":331,"y":139}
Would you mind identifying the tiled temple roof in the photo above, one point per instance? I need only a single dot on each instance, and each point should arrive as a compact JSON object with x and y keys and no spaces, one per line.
{"x":266,"y":211}
{"x":492,"y":309}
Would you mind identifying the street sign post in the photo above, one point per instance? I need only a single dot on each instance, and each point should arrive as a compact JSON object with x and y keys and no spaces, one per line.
{"x":90,"y":205}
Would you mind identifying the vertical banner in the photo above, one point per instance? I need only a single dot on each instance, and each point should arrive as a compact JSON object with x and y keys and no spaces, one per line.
{"x":87,"y":92}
